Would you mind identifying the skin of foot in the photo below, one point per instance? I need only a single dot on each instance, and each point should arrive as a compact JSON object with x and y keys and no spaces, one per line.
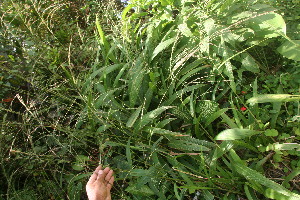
{"x":100,"y":183}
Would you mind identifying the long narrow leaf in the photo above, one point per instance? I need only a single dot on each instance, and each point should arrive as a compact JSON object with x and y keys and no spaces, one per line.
{"x":133,"y":117}
{"x":253,"y":175}
{"x":214,"y":116}
{"x":147,"y":118}
{"x":235,"y":134}
{"x":162,"y":46}
{"x":264,"y":98}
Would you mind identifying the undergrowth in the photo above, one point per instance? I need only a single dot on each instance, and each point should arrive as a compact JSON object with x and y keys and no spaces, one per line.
{"x":183,"y":99}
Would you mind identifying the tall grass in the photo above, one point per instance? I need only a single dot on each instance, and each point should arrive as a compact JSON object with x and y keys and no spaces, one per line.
{"x":156,"y":94}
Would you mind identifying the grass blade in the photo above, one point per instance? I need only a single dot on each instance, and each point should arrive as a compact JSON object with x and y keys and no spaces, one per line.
{"x":292,"y":175}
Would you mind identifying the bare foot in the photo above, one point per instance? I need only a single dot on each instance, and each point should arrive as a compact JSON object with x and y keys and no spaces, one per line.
{"x":100,"y":183}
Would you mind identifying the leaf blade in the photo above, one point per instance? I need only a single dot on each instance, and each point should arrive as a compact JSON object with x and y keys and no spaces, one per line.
{"x":235,"y":134}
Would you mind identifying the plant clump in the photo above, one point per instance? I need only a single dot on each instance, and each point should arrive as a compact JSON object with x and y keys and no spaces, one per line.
{"x":182,"y":99}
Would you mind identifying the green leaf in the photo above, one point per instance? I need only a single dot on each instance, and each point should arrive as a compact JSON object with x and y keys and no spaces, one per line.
{"x":164,"y":2}
{"x":184,"y":29}
{"x":209,"y":26}
{"x":103,"y":128}
{"x":283,"y":147}
{"x":205,"y":109}
{"x":264,"y":98}
{"x":126,"y":10}
{"x":272,"y":194}
{"x":136,"y":79}
{"x":243,"y":144}
{"x":271,"y":132}
{"x":207,"y":195}
{"x":220,"y":151}
{"x":102,"y":99}
{"x":82,"y":158}
{"x":248,"y":193}
{"x":189,"y":144}
{"x":249,"y":64}
{"x":240,"y":16}
{"x":128,"y":153}
{"x":236,"y":134}
{"x":189,"y":71}
{"x":214,"y":116}
{"x":100,"y":31}
{"x":161,"y":131}
{"x":162,"y":46}
{"x":163,"y":123}
{"x":268,"y":25}
{"x":255,"y":176}
{"x":292,"y":175}
{"x":192,"y":104}
{"x":133,"y":117}
{"x":229,"y":72}
{"x":118,"y":77}
{"x":176,"y":192}
{"x":195,"y":187}
{"x":290,"y":49}
{"x":111,"y":68}
{"x":78,"y":166}
{"x":147,"y":118}
{"x":180,"y":93}
{"x":228,"y":120}
{"x":103,"y":40}
{"x":107,"y":48}
{"x":142,"y":190}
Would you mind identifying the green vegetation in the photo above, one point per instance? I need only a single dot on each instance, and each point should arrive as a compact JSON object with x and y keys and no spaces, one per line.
{"x":184,"y":99}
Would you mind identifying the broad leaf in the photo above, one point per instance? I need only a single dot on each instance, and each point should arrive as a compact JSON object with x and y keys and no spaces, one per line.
{"x":249,"y":64}
{"x":143,"y":190}
{"x":290,"y":49}
{"x":268,"y":25}
{"x":184,"y":29}
{"x":188,"y":143}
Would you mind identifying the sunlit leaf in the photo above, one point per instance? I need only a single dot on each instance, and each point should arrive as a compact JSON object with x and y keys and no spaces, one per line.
{"x":271,"y":132}
{"x":255,"y":176}
{"x":162,"y":46}
{"x":147,"y":118}
{"x":236,"y":134}
{"x":264,"y":98}
{"x":290,"y":49}
{"x":268,"y":25}
{"x":133,"y":117}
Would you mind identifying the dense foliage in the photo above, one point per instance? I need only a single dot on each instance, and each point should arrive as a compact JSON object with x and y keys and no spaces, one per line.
{"x":184,"y":99}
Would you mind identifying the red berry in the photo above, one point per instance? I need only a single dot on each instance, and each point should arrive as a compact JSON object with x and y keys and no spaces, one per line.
{"x":243,"y":108}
